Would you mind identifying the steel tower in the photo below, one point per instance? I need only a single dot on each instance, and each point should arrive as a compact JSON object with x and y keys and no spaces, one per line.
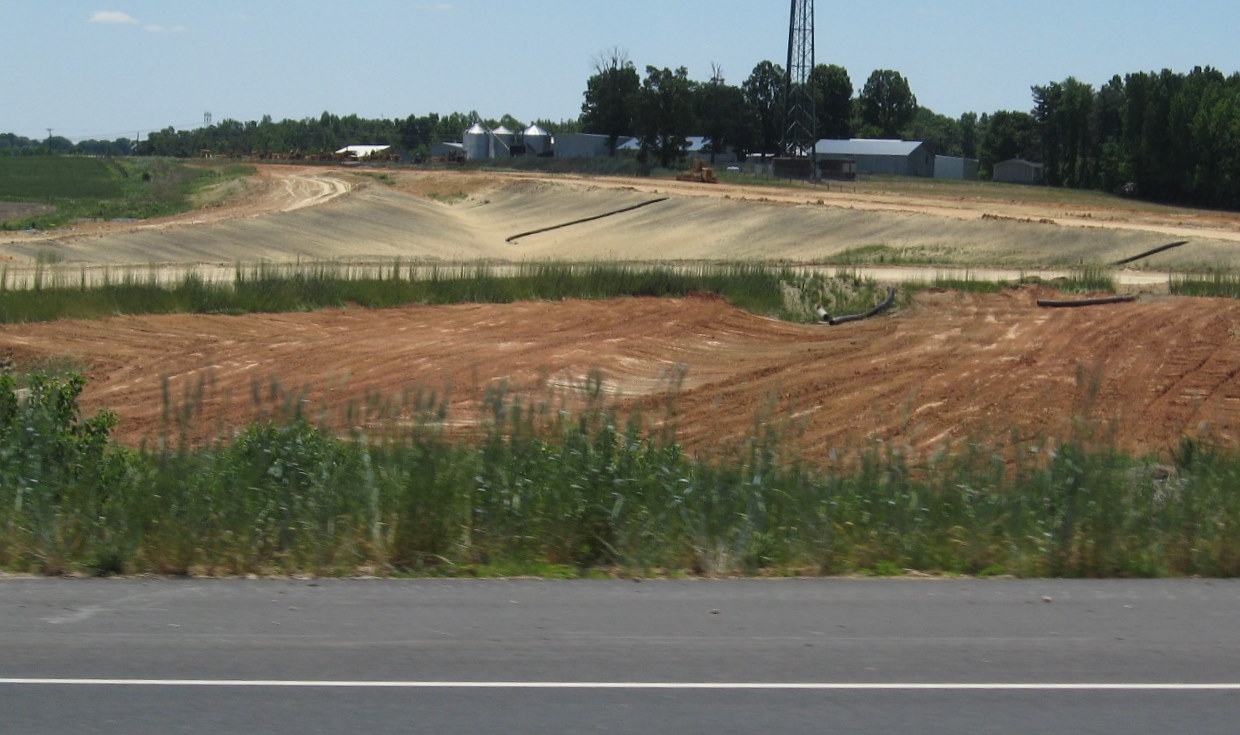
{"x":799,"y":129}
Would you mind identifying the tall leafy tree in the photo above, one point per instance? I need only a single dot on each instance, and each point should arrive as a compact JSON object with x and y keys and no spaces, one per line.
{"x":833,"y":93}
{"x":720,"y":111}
{"x":1113,"y":171}
{"x":1065,"y":115}
{"x":764,"y":98}
{"x":968,"y":134}
{"x":1007,"y":134}
{"x":887,"y":103}
{"x":940,"y":132}
{"x":665,"y":113}
{"x":611,"y":97}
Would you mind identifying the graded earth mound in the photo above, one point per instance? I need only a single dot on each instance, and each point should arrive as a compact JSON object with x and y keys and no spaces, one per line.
{"x":299,"y":213}
{"x":948,"y":367}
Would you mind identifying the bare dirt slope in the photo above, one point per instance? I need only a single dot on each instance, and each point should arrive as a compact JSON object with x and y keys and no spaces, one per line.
{"x":950,"y":366}
{"x":302,"y":212}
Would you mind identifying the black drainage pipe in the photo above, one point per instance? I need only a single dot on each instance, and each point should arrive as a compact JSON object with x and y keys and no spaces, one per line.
{"x":586,"y":219}
{"x":1148,"y":253}
{"x":883,"y":306}
{"x":1053,"y":303}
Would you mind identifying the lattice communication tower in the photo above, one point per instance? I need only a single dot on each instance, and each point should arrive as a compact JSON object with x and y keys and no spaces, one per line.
{"x":799,"y":115}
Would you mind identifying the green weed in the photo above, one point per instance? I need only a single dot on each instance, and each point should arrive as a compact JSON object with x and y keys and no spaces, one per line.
{"x":1218,"y":283}
{"x":551,"y":493}
{"x":56,"y":293}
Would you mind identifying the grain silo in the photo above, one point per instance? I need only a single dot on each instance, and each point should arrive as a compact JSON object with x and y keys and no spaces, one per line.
{"x":477,"y":142}
{"x":537,"y":141}
{"x":501,"y":142}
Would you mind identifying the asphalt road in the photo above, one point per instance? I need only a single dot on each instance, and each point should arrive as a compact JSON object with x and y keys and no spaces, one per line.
{"x":531,"y":656}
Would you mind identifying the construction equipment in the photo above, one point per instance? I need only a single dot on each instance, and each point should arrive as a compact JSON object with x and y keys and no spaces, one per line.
{"x":698,"y":171}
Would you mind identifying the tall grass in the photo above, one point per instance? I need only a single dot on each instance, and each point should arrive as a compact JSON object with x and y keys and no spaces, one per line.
{"x":544,"y":489}
{"x":1089,"y":279}
{"x":54,"y":294}
{"x":1214,"y":284}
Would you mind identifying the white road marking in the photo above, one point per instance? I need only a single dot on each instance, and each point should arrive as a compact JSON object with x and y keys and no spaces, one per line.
{"x":792,"y":686}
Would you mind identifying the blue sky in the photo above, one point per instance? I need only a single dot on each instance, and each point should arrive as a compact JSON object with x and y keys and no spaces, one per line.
{"x":112,"y":68}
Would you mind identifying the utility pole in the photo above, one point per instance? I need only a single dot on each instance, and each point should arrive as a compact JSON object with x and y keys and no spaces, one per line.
{"x":799,"y":115}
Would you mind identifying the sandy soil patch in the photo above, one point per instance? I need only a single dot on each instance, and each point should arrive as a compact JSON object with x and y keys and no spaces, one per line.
{"x":950,"y":367}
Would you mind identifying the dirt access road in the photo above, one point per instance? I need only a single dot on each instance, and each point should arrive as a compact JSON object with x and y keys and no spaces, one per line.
{"x":948,"y":367}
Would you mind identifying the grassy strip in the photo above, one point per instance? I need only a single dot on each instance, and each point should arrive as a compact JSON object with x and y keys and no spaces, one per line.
{"x":544,"y":490}
{"x":104,"y":188}
{"x":1214,"y":284}
{"x":755,"y":288}
{"x":1084,"y":281}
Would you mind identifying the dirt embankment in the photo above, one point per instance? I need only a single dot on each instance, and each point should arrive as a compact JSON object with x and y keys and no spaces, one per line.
{"x":948,"y":367}
{"x":302,"y":212}
{"x":951,"y":366}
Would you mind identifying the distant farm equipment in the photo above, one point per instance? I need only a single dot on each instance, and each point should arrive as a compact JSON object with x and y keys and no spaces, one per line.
{"x":698,"y":171}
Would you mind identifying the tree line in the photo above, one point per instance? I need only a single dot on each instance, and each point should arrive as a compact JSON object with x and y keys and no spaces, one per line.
{"x":310,"y":136}
{"x":13,"y":145}
{"x":665,"y":105}
{"x":1162,"y":136}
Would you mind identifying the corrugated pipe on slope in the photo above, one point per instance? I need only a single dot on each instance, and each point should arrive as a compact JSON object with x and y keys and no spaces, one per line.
{"x":586,"y":219}
{"x":882,"y":306}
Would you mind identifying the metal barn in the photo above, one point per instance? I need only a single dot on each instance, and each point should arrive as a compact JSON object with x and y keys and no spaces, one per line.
{"x":1019,"y":171}
{"x":955,"y":167}
{"x":878,"y":156}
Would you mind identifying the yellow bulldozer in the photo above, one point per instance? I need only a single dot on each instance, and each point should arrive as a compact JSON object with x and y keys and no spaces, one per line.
{"x":698,"y":171}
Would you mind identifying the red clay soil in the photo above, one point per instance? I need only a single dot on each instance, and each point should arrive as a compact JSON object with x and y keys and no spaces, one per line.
{"x":948,"y":367}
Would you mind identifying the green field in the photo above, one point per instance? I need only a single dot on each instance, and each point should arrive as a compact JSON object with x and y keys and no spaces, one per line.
{"x":51,"y":178}
{"x":103,"y":188}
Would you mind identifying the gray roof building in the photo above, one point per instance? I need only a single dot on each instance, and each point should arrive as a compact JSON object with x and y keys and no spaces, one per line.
{"x":880,"y":156}
{"x":1018,"y":171}
{"x":955,"y":167}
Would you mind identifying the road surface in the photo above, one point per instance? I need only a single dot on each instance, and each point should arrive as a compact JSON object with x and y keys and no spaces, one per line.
{"x":535,"y":656}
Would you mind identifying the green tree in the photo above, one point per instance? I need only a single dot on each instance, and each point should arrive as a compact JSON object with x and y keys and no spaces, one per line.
{"x":610,"y":97}
{"x":415,"y":134}
{"x":1007,"y":134}
{"x":451,"y":126}
{"x":940,"y":132}
{"x":571,"y":125}
{"x":968,"y":124}
{"x":764,"y":97}
{"x":1113,"y":169}
{"x":1065,"y":115}
{"x":833,"y":93}
{"x":665,"y":114}
{"x":720,"y":110}
{"x":887,"y":103}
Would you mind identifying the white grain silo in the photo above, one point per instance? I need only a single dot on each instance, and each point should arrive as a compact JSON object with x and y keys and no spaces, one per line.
{"x":501,"y":142}
{"x":477,"y":142}
{"x":537,"y":141}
